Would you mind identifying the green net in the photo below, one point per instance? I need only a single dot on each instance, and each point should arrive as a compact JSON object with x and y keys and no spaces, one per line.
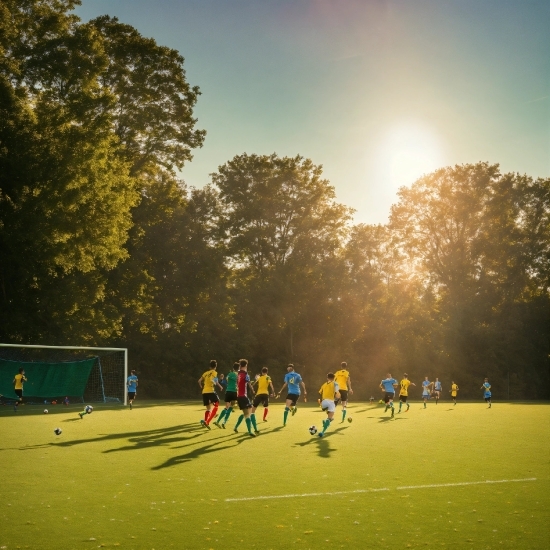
{"x":47,"y":380}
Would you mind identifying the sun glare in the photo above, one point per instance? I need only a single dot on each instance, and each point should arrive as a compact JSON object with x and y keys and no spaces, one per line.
{"x":409,"y":151}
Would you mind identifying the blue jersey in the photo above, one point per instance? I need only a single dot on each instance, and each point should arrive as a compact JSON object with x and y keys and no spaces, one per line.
{"x":487,"y":390}
{"x":388,"y":385}
{"x":292,"y":380}
{"x":425,"y":389}
{"x":132,"y":383}
{"x":437,"y":386}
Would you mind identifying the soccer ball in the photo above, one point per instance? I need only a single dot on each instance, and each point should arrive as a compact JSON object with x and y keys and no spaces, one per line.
{"x":312,"y":430}
{"x":45,"y":411}
{"x":88,"y":409}
{"x":58,"y":431}
{"x":350,"y":419}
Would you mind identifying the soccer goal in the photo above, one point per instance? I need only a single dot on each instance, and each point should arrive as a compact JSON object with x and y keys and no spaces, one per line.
{"x":54,"y":372}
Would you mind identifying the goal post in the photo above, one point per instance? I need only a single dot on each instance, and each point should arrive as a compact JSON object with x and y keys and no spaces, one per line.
{"x":86,"y":374}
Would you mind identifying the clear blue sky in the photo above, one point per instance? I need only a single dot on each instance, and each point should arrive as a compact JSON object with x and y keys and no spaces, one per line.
{"x":377,"y":91}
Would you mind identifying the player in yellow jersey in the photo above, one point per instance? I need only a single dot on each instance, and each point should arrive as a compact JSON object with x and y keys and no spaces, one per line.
{"x":210,"y":399}
{"x":404,"y":391}
{"x":329,"y":395}
{"x":18,"y":387}
{"x":454,"y":391}
{"x":262,"y":393}
{"x":342,"y":378}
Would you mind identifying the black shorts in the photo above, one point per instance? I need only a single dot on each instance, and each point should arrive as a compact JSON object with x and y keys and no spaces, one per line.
{"x":230,"y":396}
{"x":19,"y":393}
{"x":403,"y":398}
{"x":261,"y":398}
{"x":131,"y":395}
{"x":388,"y":396}
{"x":208,"y":398}
{"x":244,"y":403}
{"x":293,"y":397}
{"x":343,"y":395}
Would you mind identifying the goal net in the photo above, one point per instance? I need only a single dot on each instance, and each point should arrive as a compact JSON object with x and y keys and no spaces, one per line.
{"x":54,"y":373}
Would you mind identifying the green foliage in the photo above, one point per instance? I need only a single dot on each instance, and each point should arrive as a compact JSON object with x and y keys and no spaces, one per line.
{"x":101,"y":243}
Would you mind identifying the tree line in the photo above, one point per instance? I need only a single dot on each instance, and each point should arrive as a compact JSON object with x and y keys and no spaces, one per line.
{"x":102,"y":244}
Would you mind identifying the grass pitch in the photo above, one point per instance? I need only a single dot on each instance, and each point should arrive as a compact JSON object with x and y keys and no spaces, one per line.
{"x":152,"y":478}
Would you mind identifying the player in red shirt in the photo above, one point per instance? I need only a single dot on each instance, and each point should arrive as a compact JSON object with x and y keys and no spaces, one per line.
{"x":243,"y":383}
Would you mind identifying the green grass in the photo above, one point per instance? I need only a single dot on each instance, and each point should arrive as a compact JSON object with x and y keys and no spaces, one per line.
{"x":153,"y":478}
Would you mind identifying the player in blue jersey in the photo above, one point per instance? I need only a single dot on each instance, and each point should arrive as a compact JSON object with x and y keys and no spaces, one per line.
{"x":486,"y":387}
{"x":293,"y":381}
{"x":132,"y":383}
{"x":437,"y":390}
{"x":388,"y":385}
{"x":427,"y":387}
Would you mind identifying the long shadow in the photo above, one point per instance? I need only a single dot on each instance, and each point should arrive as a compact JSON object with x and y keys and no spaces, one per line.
{"x":206,"y":449}
{"x":154,"y":435}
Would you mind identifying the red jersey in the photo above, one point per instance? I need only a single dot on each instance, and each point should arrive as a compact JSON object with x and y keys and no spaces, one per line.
{"x":242,"y":383}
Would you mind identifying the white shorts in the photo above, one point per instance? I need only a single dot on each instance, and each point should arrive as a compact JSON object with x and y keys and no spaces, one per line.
{"x":328,"y":405}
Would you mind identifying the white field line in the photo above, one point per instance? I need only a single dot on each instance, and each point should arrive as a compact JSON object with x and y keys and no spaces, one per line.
{"x":304,"y":495}
{"x":300,"y":495}
{"x":465,"y":483}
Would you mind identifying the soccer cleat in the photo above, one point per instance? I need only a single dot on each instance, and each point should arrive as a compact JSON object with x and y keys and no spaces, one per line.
{"x":203,"y":423}
{"x":398,"y":411}
{"x":81,"y":415}
{"x":392,"y":413}
{"x":256,"y":432}
{"x":235,"y":430}
{"x":320,"y":434}
{"x":251,"y":434}
{"x":294,"y":409}
{"x":223,"y":425}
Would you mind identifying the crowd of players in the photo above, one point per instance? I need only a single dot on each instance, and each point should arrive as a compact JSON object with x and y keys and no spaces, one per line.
{"x":239,"y":388}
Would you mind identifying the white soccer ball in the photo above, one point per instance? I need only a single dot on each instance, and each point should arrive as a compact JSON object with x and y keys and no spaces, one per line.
{"x":45,"y":411}
{"x":88,"y":409}
{"x":58,"y":431}
{"x":313,"y":430}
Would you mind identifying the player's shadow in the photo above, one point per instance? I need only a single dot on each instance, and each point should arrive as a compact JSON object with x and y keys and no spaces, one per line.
{"x":196,"y":453}
{"x":323,"y":444}
{"x":158,"y":437}
{"x":390,"y":418}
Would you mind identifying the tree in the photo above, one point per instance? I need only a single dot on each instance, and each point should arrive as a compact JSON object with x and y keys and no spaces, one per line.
{"x":282,"y":227}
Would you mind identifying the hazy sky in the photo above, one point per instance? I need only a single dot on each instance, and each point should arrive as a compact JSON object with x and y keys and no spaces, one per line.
{"x":377,"y":91}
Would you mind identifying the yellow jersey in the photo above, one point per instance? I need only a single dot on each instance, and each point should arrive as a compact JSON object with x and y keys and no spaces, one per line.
{"x":405,"y":383}
{"x":454,"y":389}
{"x":209,"y":378}
{"x":263,"y":384}
{"x":341,"y":378}
{"x":328,"y":390}
{"x":18,"y":380}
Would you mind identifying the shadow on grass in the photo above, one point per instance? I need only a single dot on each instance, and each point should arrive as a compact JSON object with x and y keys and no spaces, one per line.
{"x":205,"y":449}
{"x":323,"y":443}
{"x":145,"y":438}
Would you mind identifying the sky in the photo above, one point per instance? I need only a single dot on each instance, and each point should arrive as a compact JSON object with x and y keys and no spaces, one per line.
{"x":378,"y":92}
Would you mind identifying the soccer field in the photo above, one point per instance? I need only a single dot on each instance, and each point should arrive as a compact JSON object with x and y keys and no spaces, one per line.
{"x":153,"y":478}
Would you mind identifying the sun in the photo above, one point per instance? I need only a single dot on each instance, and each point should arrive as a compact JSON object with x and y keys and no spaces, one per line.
{"x":408,"y":151}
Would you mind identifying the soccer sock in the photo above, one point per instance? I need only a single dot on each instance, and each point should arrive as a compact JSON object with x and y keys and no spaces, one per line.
{"x":213,"y":413}
{"x":400,"y":405}
{"x":227,"y":414}
{"x":253,"y":420}
{"x":265,"y":413}
{"x":285,"y":416}
{"x":248,"y":424}
{"x":206,"y":414}
{"x":239,"y":421}
{"x":424,"y":404}
{"x":344,"y":412}
{"x":222,"y":416}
